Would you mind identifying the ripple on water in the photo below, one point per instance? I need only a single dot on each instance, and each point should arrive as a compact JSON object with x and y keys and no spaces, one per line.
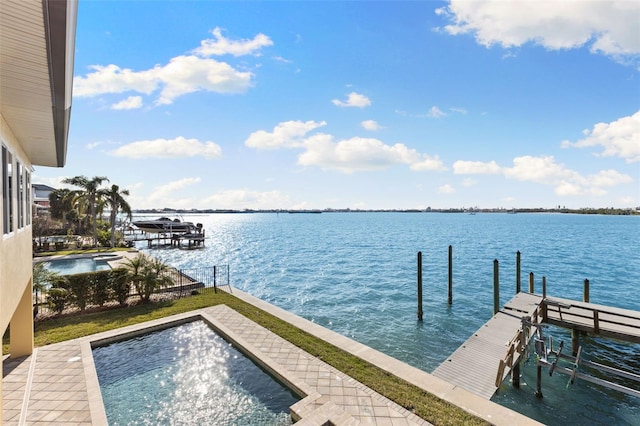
{"x":356,"y":274}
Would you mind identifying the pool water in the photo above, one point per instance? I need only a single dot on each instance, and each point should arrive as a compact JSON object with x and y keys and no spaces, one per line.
{"x":187,"y":375}
{"x":76,"y":266}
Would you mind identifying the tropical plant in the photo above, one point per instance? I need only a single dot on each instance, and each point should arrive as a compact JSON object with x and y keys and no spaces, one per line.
{"x":133,"y":267}
{"x":147,"y":275}
{"x":115,"y":201}
{"x":156,"y":276}
{"x":90,"y":193}
{"x":61,"y":203}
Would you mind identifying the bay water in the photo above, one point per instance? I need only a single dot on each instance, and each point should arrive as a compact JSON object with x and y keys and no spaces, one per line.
{"x":356,"y":273}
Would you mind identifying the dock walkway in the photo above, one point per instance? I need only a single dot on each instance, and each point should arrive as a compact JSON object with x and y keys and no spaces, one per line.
{"x":481,"y":363}
{"x":594,"y":319}
{"x":473,"y":366}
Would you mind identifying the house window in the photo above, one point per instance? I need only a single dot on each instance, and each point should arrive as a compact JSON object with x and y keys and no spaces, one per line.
{"x":7,"y":191}
{"x":20,"y":176}
{"x":27,"y":179}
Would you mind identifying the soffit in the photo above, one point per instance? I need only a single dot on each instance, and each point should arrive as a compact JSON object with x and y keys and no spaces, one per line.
{"x":25,"y":85}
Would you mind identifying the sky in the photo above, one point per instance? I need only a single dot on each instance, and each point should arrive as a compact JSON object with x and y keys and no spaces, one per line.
{"x":359,"y":104}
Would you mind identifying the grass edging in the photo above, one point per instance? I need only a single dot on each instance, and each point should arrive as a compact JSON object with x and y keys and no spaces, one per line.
{"x":411,"y":397}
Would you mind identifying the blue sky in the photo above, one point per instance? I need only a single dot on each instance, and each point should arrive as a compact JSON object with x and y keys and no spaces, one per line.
{"x":361,"y":104}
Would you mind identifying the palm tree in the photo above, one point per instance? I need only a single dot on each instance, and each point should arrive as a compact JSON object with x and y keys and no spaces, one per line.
{"x":90,"y":193}
{"x":115,"y":200}
{"x":156,"y":276}
{"x":61,"y":204}
{"x":147,"y":275}
{"x":134,"y":267}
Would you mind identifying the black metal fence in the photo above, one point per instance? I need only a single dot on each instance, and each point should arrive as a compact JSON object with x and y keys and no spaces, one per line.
{"x":203,"y":277}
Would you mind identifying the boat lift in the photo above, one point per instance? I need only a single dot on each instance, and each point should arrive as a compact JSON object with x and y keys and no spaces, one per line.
{"x":548,"y":357}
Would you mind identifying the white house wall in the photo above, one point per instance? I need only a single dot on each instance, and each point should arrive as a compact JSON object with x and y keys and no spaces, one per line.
{"x":16,"y":247}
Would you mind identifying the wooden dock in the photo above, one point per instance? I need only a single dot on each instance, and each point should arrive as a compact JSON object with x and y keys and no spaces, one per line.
{"x":593,"y":319}
{"x":481,"y":363}
{"x":474,"y":365}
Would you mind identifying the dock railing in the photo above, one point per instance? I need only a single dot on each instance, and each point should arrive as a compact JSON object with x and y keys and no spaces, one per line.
{"x":592,"y":319}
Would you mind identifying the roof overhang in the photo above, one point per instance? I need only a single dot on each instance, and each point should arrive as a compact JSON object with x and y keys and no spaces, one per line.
{"x":37,"y":43}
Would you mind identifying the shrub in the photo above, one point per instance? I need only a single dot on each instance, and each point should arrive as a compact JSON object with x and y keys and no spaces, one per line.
{"x":80,"y":289}
{"x":101,"y":287}
{"x":57,"y":298}
{"x":120,"y":285}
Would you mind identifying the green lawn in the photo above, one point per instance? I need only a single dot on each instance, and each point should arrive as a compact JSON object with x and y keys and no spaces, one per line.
{"x":424,"y":404}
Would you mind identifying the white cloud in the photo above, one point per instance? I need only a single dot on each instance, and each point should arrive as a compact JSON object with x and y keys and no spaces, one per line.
{"x":93,"y":145}
{"x":458,"y":110}
{"x":371,"y":125}
{"x":113,"y":79}
{"x":541,"y":170}
{"x":462,"y":167}
{"x":435,"y":112}
{"x":169,"y":148}
{"x":609,"y":178}
{"x":347,"y":156}
{"x":361,"y":154}
{"x":182,"y":75}
{"x":187,"y":74}
{"x":221,"y":45}
{"x":353,"y":100}
{"x":248,"y":199}
{"x":607,"y":27}
{"x":545,"y":170}
{"x":281,"y":59}
{"x":446,"y":189}
{"x":289,"y":134}
{"x":132,"y":102}
{"x":467,"y":182}
{"x":620,"y":138}
{"x":166,"y":193}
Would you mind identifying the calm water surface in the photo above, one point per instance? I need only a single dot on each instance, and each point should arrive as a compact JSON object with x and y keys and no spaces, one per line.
{"x":355,"y":273}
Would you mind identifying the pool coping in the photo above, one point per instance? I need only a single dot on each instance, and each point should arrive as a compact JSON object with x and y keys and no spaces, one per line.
{"x":316,"y":407}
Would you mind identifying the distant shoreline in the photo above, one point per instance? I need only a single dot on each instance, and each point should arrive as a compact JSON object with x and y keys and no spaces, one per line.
{"x":599,"y":211}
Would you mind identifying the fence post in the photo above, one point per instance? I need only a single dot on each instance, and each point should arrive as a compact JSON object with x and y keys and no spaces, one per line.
{"x":215,"y":288}
{"x":544,"y":287}
{"x":496,"y":288}
{"x":518,"y":272}
{"x":419,"y":286}
{"x":450,"y":298}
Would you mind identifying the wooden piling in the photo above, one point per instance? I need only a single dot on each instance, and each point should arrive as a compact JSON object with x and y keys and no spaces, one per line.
{"x":496,"y":287}
{"x":450,"y":298}
{"x":585,"y":294}
{"x":515,"y":375}
{"x":531,"y":282}
{"x":575,"y":341}
{"x":419,"y":286}
{"x":544,"y":287}
{"x":539,"y":381}
{"x":518,"y":272}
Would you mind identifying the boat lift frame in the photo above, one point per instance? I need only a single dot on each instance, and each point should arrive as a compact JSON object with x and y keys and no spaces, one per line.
{"x":549,"y":357}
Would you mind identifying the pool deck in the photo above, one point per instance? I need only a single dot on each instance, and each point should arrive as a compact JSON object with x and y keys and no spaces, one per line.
{"x":58,"y":384}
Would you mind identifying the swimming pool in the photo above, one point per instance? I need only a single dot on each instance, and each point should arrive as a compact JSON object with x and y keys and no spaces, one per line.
{"x":76,"y":265}
{"x":187,"y":375}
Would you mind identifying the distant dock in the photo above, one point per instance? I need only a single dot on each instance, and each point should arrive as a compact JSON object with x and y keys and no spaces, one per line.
{"x":173,"y":239}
